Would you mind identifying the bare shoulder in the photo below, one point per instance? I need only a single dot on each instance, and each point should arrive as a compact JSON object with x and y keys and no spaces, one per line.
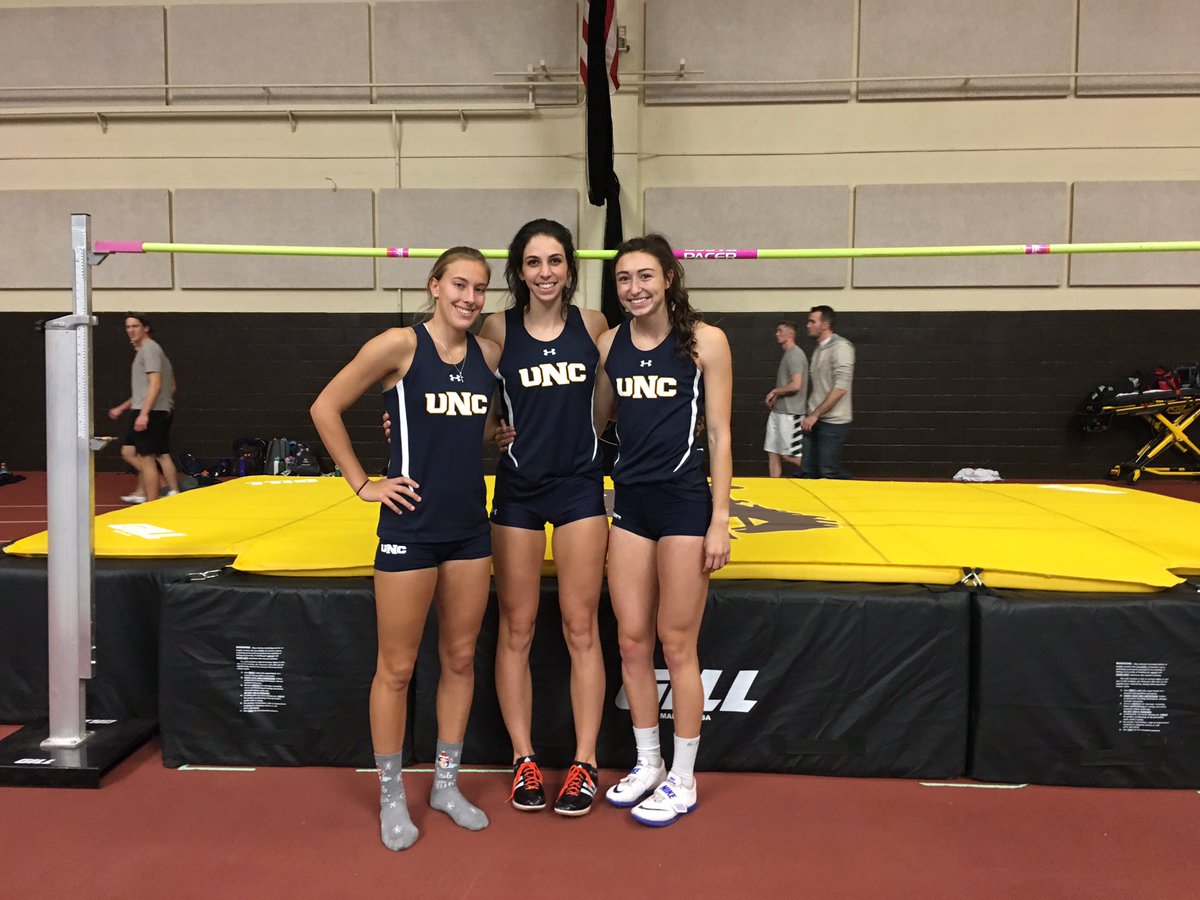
{"x":393,"y":342}
{"x":491,"y":351}
{"x":595,"y":322}
{"x":401,"y":336}
{"x":604,"y":342}
{"x":710,"y":339}
{"x":494,"y":328}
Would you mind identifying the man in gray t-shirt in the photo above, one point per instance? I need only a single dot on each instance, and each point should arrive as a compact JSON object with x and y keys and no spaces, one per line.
{"x":152,"y":399}
{"x":786,"y":403}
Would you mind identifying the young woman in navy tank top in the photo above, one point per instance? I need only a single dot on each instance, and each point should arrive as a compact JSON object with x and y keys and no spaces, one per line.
{"x":549,"y":472}
{"x":664,"y":369}
{"x":438,"y":382}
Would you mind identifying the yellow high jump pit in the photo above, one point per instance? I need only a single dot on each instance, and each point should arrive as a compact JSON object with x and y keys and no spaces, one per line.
{"x":1067,"y":537}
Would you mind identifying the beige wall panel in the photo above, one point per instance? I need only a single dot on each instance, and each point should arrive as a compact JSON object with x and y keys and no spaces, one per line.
{"x":922,"y":168}
{"x":486,"y":219}
{"x":932,"y":126}
{"x":1139,"y":36}
{"x":204,"y":137}
{"x":113,"y":46}
{"x":960,"y":37}
{"x":191,"y":173}
{"x":256,"y":44}
{"x":903,"y":215}
{"x":1136,"y":211}
{"x":547,"y":133}
{"x":306,"y":218}
{"x":35,"y":237}
{"x":519,"y":172}
{"x":467,"y":42}
{"x":753,"y":218}
{"x":754,"y":40}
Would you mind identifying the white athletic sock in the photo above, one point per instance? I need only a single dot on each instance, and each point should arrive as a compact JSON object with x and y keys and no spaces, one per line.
{"x":684,"y":763}
{"x":649,"y":749}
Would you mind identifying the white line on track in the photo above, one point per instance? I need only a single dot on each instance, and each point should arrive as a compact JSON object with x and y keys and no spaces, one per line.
{"x":215,"y":769}
{"x":990,"y":787}
{"x":468,"y":770}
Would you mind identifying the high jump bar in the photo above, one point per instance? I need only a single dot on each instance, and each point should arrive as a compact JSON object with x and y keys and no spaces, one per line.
{"x":105,"y":247}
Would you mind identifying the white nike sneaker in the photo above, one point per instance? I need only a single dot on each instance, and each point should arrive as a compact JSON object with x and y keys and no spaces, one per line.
{"x":133,"y":498}
{"x":669,"y":802}
{"x":631,"y":789}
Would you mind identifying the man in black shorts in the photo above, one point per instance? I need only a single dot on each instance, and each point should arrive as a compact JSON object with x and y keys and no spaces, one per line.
{"x":152,"y":399}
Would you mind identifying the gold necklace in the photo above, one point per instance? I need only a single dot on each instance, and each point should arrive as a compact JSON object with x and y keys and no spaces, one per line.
{"x":458,"y":369}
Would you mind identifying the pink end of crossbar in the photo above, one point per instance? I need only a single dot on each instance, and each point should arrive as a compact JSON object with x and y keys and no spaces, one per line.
{"x":398,"y":251}
{"x":119,"y":247}
{"x":1036,"y":249}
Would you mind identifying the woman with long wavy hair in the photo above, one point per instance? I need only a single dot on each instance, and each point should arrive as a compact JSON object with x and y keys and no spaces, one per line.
{"x":664,"y":368}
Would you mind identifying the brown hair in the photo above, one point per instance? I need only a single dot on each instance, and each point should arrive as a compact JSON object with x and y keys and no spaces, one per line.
{"x":516,"y":260}
{"x":446,"y":260}
{"x":682,"y":316}
{"x":145,"y":322}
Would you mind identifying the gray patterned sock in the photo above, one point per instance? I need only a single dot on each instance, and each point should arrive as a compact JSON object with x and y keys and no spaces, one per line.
{"x":395,"y":827}
{"x":445,"y":795}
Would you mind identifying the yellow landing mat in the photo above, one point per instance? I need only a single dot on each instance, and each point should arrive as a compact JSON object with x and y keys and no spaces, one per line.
{"x":1070,"y":537}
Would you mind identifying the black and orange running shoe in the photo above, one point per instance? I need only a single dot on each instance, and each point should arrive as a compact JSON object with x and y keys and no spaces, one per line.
{"x":575,"y":798}
{"x":527,"y":795}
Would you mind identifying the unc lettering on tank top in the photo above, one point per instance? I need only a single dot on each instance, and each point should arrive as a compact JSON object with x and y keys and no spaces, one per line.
{"x":659,"y":399}
{"x":547,"y":389}
{"x":438,"y":411}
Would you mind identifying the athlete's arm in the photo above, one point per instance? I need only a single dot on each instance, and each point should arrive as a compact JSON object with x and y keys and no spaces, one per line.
{"x":602,"y":405}
{"x":120,"y":409}
{"x":491,"y":354}
{"x":594,"y":322}
{"x":795,"y":386}
{"x":493,"y":330}
{"x":715,"y":362}
{"x":385,"y":359}
{"x":830,"y":401}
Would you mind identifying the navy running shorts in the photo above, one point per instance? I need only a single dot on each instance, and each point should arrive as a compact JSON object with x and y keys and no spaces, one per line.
{"x":558,"y":501}
{"x":412,"y":555}
{"x":663,"y":508}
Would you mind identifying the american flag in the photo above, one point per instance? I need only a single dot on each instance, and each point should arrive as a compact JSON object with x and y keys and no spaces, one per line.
{"x":610,"y":41}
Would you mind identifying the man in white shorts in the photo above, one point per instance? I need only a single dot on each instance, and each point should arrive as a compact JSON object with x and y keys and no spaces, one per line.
{"x":785,"y":438}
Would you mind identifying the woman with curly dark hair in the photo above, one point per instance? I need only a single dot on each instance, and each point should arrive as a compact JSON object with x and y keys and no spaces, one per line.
{"x":664,"y":369}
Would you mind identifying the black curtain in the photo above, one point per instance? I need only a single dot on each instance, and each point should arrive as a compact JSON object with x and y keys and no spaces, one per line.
{"x":603,"y":187}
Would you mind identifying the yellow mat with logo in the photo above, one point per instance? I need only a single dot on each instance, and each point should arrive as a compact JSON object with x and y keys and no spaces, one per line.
{"x":1071,"y":537}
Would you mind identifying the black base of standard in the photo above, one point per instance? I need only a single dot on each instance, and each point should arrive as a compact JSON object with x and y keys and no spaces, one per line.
{"x":25,"y":763}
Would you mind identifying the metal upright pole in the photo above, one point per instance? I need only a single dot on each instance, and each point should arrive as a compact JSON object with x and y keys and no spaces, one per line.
{"x":70,"y":500}
{"x":62,"y":752}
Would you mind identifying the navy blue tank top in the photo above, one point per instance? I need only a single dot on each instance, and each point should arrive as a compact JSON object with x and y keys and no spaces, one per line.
{"x":660,"y":395}
{"x":438,"y":412}
{"x":546,"y":392}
